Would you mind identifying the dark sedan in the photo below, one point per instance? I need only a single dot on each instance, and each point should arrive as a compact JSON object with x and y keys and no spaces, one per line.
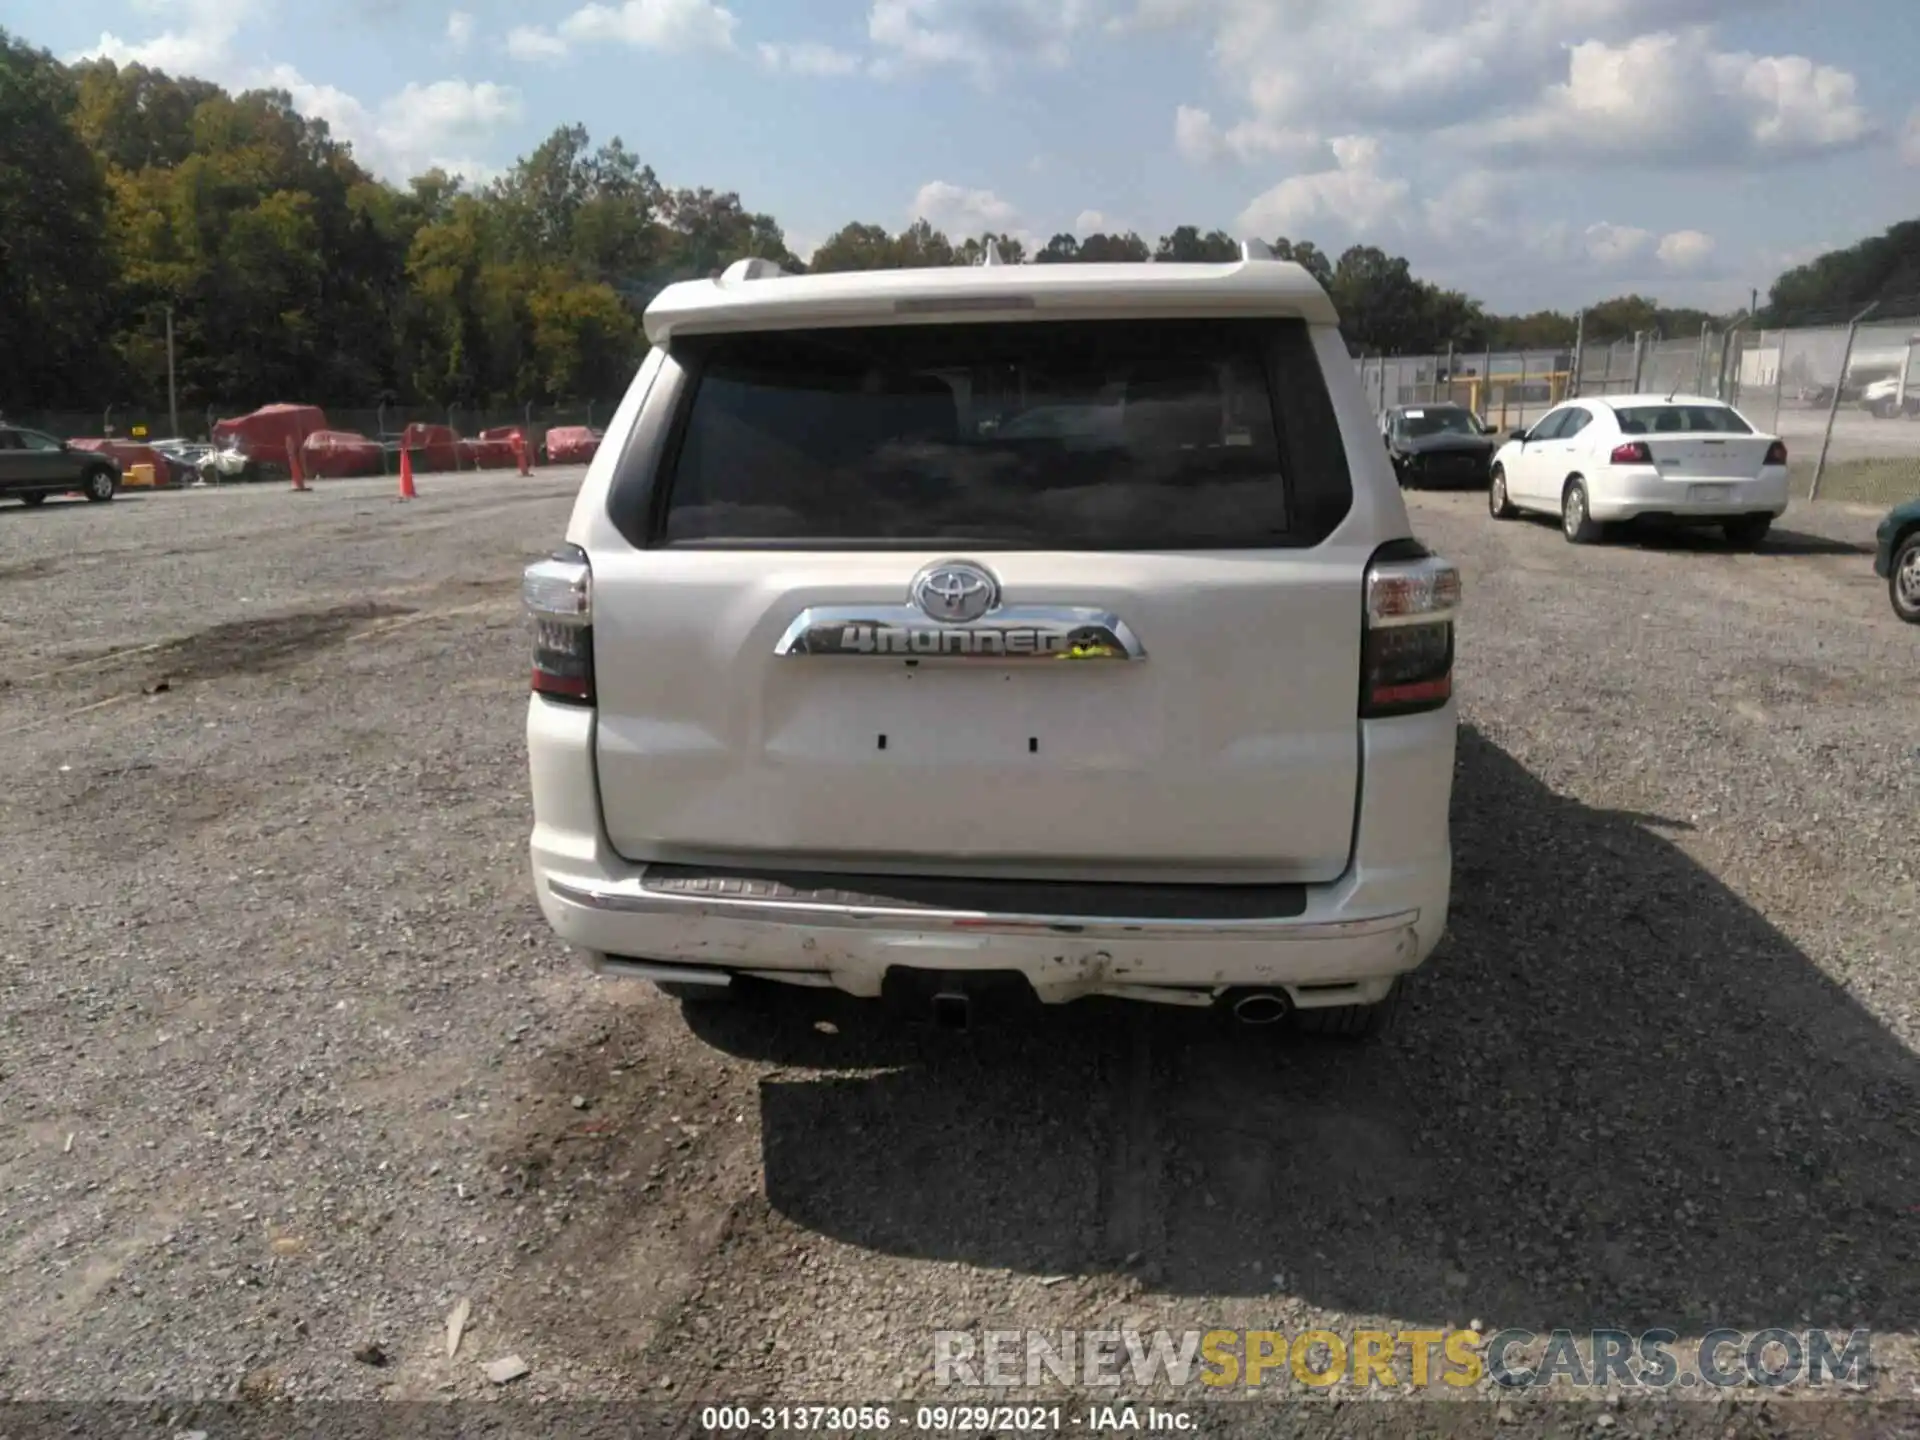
{"x":1438,"y":445}
{"x":34,"y":465}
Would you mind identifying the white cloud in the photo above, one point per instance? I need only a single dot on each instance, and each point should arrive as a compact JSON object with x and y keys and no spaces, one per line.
{"x":977,"y":35}
{"x":1089,"y":222}
{"x":529,"y":42}
{"x":808,"y":57}
{"x":198,"y":40}
{"x":459,"y":29}
{"x":1199,"y":139}
{"x":1196,"y":136}
{"x":1609,"y":244}
{"x":419,"y":128}
{"x":674,"y":26}
{"x":960,"y":211}
{"x":1356,"y":198}
{"x":1672,"y":98}
{"x":1910,"y":139}
{"x":1685,"y":249}
{"x":1537,"y":76}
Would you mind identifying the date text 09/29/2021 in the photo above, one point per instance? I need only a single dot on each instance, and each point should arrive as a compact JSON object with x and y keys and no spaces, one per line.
{"x":940,"y":1419}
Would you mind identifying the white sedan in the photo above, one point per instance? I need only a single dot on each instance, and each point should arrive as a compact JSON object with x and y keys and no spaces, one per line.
{"x":1680,"y":458}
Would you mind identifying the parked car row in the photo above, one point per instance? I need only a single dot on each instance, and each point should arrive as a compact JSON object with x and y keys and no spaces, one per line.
{"x":1601,"y":463}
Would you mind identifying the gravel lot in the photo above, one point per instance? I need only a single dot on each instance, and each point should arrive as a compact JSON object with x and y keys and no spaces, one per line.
{"x":291,"y":1064}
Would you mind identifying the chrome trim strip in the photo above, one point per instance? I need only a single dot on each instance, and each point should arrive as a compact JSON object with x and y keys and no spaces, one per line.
{"x":630,"y":897}
{"x":1011,"y":633}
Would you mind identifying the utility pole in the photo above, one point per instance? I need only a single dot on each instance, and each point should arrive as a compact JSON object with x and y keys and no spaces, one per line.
{"x":173,"y":395}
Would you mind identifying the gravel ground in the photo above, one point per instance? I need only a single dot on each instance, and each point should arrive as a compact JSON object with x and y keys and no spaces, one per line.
{"x":291,"y":1065}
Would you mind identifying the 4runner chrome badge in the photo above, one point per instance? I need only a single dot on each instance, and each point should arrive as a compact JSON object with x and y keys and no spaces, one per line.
{"x":955,"y":614}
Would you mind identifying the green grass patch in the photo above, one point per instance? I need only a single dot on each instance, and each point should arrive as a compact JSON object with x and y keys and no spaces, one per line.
{"x":1867,"y":482}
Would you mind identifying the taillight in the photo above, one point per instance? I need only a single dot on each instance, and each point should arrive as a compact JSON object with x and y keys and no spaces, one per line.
{"x":558,"y":593}
{"x":1406,"y":651}
{"x":1634,"y":452}
{"x":1777,"y":453}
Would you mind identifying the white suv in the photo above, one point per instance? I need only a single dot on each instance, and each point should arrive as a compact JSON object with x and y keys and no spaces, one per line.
{"x":923,"y":633}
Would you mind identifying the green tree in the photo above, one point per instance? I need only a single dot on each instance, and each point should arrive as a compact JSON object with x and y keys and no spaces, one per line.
{"x":1114,"y":249}
{"x":1060,"y":250}
{"x":1187,"y":245}
{"x":1307,"y":255}
{"x":1840,"y":283}
{"x":853,"y":247}
{"x":54,"y":268}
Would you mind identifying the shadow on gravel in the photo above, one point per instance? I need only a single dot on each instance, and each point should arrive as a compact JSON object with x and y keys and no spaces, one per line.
{"x":1778,"y":542}
{"x":1617,"y":1095}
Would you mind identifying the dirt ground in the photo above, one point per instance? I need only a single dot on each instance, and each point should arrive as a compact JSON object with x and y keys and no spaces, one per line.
{"x":290,"y":1064}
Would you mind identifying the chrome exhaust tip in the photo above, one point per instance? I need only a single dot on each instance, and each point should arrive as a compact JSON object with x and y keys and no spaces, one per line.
{"x":1262,"y":1008}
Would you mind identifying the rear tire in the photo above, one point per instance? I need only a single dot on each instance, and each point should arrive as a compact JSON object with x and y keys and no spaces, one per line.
{"x":1498,"y":505}
{"x":1749,"y":530}
{"x":1903,"y":579}
{"x":1576,"y":523}
{"x":1352,"y":1022}
{"x":33,"y":497}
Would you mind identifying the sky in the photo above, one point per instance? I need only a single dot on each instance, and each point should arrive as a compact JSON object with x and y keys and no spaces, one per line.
{"x":1534,"y":153}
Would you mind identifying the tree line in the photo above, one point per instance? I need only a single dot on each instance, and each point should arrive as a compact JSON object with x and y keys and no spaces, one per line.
{"x":290,"y":272}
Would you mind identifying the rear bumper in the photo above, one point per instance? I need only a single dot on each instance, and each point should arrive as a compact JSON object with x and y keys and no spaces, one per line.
{"x":1344,"y":946}
{"x":1627,"y":492}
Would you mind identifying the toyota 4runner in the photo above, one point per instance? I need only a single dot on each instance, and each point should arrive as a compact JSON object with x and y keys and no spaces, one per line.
{"x":1054,"y":626}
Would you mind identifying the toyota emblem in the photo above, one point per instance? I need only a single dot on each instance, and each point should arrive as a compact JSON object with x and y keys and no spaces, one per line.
{"x":955,"y":591}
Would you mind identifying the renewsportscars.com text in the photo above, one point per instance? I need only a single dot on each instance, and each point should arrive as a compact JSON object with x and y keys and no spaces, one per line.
{"x":1402,"y":1359}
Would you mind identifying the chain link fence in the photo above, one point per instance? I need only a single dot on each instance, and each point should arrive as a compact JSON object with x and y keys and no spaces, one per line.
{"x":1844,"y":398}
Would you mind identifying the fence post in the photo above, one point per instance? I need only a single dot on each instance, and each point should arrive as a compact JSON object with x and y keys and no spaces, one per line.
{"x":1779,"y":375}
{"x":1639,"y":358}
{"x":1906,"y":374}
{"x":1721,"y":383}
{"x":1383,"y":383}
{"x":1449,"y":373}
{"x":1486,"y":382}
{"x":1833,"y":407}
{"x":1579,"y":354}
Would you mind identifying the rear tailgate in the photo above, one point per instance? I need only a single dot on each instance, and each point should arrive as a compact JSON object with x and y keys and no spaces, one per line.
{"x":1234,"y":741}
{"x":816,"y":474}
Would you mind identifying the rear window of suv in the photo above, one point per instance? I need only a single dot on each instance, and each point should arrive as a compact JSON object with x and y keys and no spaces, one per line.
{"x":1124,"y":435}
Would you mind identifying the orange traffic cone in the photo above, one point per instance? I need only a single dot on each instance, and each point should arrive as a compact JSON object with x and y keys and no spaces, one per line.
{"x":520,"y":452}
{"x":293,"y":465}
{"x":407,"y":492}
